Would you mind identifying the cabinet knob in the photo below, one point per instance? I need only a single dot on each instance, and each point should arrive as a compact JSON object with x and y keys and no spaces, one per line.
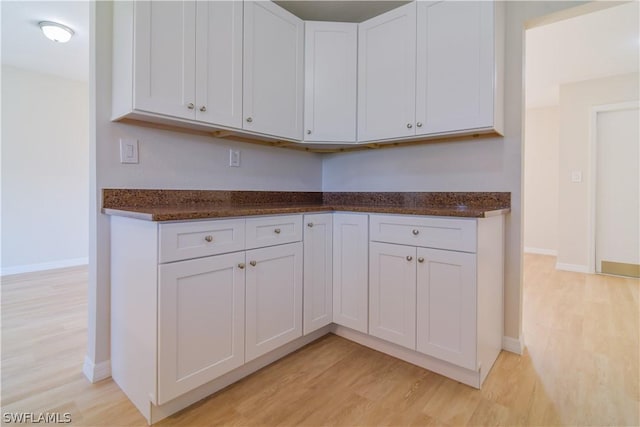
{"x":253,"y":263}
{"x":409,"y":125}
{"x":419,"y":124}
{"x":277,"y":231}
{"x":409,"y":258}
{"x":241,"y":265}
{"x":308,"y":131}
{"x":209,"y":239}
{"x":310,"y":225}
{"x":203,"y":108}
{"x":190,"y":106}
{"x":416,"y":232}
{"x":420,"y":259}
{"x":249,"y":119}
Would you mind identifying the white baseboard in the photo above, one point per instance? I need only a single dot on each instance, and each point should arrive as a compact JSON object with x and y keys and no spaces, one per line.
{"x":513,"y":345}
{"x":29,"y":268}
{"x":577,"y":268}
{"x":96,"y":371}
{"x":540,"y":251}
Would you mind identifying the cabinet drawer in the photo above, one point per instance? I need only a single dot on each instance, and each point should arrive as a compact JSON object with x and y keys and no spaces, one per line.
{"x":273,"y":230}
{"x":428,"y":232}
{"x":187,"y":240}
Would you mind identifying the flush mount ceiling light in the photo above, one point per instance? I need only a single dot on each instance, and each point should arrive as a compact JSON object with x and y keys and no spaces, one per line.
{"x":56,"y":32}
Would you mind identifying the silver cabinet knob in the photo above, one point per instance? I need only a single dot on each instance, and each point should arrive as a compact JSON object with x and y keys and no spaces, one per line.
{"x":253,"y":263}
{"x":308,"y":131}
{"x":409,"y":258}
{"x":409,"y":125}
{"x":241,"y":265}
{"x":277,"y":231}
{"x":203,"y":108}
{"x":249,"y":119}
{"x":420,"y":259}
{"x":419,"y":124}
{"x":416,"y":232}
{"x":310,"y":225}
{"x":190,"y":106}
{"x":209,"y":238}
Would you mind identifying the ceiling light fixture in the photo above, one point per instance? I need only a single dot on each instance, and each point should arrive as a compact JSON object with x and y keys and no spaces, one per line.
{"x":56,"y":32}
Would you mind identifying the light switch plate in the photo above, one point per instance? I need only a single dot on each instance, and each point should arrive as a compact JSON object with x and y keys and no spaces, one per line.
{"x":576,"y":176}
{"x":234,"y":158}
{"x":128,"y":150}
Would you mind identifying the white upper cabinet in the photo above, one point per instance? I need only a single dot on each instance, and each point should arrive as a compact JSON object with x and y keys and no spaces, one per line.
{"x":331,"y":55}
{"x":180,"y":59}
{"x":387,"y":75}
{"x":457,"y":56}
{"x":219,"y":62}
{"x":164,"y":57}
{"x":273,"y":70}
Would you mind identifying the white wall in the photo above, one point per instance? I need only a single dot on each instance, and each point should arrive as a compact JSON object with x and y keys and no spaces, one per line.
{"x":484,"y":165}
{"x":45,"y":171}
{"x":167,"y":160}
{"x":540,"y":211}
{"x":576,"y":101}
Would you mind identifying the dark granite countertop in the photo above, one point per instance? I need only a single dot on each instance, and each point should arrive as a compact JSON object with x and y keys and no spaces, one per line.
{"x":179,"y":205}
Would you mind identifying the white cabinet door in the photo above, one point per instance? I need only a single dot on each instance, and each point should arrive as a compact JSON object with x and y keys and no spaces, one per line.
{"x":273,"y":70}
{"x":387,"y":75}
{"x":200,"y":322}
{"x":392,"y":293}
{"x":331,"y":62}
{"x":446,"y":306}
{"x":218,"y":42}
{"x":273,"y":298}
{"x":455,"y":66}
{"x":164,"y":75}
{"x":318,"y":271}
{"x":350,"y":270}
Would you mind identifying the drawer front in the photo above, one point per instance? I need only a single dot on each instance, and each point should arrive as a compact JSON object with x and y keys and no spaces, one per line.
{"x":186,"y":240}
{"x":273,"y":230}
{"x":429,"y":232}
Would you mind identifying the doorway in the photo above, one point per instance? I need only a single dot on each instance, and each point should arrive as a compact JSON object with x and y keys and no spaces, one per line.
{"x":615,"y":140}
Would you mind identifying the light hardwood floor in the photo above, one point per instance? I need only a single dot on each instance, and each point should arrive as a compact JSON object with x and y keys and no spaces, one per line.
{"x":580,"y":366}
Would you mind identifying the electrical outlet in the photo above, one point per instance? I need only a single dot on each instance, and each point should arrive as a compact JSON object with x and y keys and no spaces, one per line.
{"x":576,"y":176}
{"x":128,"y":150}
{"x":234,"y":158}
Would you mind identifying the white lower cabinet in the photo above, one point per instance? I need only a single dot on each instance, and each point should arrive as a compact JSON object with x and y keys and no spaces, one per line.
{"x":318,"y":271}
{"x":198,"y":305}
{"x":350,"y":270}
{"x":274,"y":298}
{"x":446,"y":306}
{"x":392,"y":293}
{"x":200,"y":322}
{"x":436,"y":286}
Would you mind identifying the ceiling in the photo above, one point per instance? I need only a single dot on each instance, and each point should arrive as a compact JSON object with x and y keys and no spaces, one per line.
{"x":24,"y":45}
{"x":586,"y":47}
{"x":338,"y":11}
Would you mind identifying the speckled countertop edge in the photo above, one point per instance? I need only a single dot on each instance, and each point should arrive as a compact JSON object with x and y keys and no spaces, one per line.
{"x":183,"y":205}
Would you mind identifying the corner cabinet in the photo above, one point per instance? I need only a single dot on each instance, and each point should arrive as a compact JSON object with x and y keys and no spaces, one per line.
{"x":318,"y":271}
{"x":180,"y":59}
{"x":331,"y":62}
{"x":273,"y":70}
{"x":350,"y":272}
